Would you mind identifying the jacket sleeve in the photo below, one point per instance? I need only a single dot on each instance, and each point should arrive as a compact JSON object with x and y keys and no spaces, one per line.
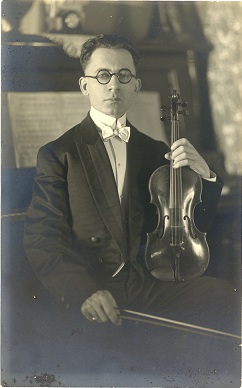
{"x":48,"y":235}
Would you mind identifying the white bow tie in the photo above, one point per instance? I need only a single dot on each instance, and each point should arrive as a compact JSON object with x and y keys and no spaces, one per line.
{"x":109,"y":132}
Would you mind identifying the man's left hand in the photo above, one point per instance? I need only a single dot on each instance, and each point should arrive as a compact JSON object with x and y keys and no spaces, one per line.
{"x":184,"y":154}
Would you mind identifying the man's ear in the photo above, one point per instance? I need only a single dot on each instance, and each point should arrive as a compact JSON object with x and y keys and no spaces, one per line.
{"x":83,"y":86}
{"x":137,"y":85}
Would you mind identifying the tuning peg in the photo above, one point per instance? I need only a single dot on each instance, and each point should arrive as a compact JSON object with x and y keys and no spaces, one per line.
{"x":183,"y":112}
{"x":164,"y":118}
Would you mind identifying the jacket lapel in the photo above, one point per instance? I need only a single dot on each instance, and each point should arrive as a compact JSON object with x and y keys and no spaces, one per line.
{"x":137,"y":192}
{"x":100,"y":178}
{"x":134,"y":169}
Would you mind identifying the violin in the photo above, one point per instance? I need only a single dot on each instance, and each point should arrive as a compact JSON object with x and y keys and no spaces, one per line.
{"x":176,"y":250}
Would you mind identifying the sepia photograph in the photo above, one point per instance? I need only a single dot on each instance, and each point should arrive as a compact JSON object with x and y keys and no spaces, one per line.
{"x":121,"y":193}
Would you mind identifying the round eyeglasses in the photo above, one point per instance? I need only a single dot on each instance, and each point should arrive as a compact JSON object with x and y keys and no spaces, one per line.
{"x":104,"y":76}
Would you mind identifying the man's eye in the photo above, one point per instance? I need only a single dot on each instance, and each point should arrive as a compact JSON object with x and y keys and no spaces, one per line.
{"x":124,"y":75}
{"x":103,"y":75}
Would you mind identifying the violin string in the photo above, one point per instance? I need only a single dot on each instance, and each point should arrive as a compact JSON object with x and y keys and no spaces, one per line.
{"x":179,"y":202}
{"x":177,"y":188}
{"x":173,"y":189}
{"x":171,"y":194}
{"x":180,"y":207}
{"x":179,"y":323}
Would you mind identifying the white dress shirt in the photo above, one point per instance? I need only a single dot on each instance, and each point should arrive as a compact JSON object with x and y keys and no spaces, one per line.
{"x":116,"y":149}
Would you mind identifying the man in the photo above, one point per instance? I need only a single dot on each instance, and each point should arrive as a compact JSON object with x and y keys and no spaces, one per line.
{"x":91,"y":210}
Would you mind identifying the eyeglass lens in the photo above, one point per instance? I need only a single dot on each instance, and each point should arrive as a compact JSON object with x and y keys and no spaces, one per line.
{"x":124,"y":76}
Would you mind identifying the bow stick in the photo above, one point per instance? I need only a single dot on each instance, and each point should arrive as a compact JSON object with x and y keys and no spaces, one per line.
{"x":147,"y":318}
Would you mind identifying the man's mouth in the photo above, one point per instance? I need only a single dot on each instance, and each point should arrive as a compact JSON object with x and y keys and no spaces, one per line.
{"x":114,"y":99}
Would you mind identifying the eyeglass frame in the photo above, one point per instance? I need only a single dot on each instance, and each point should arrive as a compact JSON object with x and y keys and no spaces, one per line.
{"x":111,"y":74}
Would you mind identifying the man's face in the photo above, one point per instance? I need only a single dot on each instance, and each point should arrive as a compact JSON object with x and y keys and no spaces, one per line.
{"x":114,"y":98}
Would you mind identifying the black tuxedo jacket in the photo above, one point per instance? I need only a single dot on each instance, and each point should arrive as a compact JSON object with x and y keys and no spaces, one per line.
{"x":74,"y":232}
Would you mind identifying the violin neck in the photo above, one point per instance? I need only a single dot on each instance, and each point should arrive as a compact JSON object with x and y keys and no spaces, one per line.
{"x":175,"y":173}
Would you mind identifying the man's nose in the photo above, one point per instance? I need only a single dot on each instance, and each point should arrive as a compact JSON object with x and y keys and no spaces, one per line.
{"x":114,"y":82}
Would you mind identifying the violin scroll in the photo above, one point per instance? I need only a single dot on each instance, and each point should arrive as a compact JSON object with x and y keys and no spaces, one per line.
{"x":175,"y":104}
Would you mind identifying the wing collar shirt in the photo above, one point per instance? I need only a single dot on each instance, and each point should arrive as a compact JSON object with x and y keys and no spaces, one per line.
{"x":116,"y":149}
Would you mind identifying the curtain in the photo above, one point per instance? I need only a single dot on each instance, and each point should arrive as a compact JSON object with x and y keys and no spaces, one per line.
{"x":223,"y":28}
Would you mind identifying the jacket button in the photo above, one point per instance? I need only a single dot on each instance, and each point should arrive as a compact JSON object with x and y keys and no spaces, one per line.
{"x":94,"y":239}
{"x":100,"y":260}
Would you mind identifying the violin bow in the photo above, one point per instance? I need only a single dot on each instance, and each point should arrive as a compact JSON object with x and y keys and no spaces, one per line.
{"x":160,"y":321}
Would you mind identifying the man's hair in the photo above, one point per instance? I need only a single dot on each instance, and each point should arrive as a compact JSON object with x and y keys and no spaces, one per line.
{"x":107,"y":41}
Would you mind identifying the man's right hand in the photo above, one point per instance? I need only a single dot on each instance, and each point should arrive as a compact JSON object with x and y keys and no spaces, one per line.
{"x":101,"y":307}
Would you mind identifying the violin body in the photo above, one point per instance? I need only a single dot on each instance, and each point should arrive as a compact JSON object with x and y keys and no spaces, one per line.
{"x":176,"y":250}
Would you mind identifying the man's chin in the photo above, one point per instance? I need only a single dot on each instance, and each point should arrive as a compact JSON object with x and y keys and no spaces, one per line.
{"x":114,"y":112}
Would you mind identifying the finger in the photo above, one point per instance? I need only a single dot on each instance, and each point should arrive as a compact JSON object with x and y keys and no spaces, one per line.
{"x":94,"y":308}
{"x":107,"y":307}
{"x":182,"y":163}
{"x":108,"y":314}
{"x":97,"y":302}
{"x":112,"y":312}
{"x":89,"y":313}
{"x":114,"y":316}
{"x":101,"y":314}
{"x":181,"y":142}
{"x":102,"y":307}
{"x":184,"y":156}
{"x":197,"y":166}
{"x":168,"y":156}
{"x":95,"y":318}
{"x":184,"y":149}
{"x":187,"y":159}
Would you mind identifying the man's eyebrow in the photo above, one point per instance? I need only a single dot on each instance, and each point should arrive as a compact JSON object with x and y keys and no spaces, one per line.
{"x":101,"y":68}
{"x":110,"y":71}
